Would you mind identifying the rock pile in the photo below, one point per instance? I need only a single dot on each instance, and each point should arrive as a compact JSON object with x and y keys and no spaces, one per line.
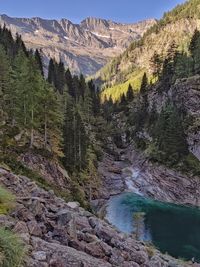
{"x":60,"y":234}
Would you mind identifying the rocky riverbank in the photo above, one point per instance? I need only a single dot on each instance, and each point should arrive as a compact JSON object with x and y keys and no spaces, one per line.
{"x":60,"y":234}
{"x":133,"y":172}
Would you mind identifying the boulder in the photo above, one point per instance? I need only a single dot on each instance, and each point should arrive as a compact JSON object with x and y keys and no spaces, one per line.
{"x":73,"y":205}
{"x":34,"y":228}
{"x":39,"y":255}
{"x":64,"y":217}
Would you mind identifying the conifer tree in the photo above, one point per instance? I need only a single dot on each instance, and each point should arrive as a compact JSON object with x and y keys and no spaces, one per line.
{"x":82,"y":86}
{"x":6,"y":94}
{"x":156,"y":65}
{"x":183,"y":65}
{"x":194,"y":42}
{"x":68,"y":135}
{"x":169,"y":135}
{"x":39,"y":61}
{"x":123,"y":100}
{"x":130,"y":94}
{"x":51,"y":72}
{"x":60,"y":77}
{"x":50,"y":116}
{"x":97,"y":103}
{"x":69,"y":82}
{"x":194,"y":49}
{"x":144,"y":84}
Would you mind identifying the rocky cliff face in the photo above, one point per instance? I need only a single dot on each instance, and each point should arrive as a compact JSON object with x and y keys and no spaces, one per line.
{"x":185,"y":94}
{"x":84,"y":47}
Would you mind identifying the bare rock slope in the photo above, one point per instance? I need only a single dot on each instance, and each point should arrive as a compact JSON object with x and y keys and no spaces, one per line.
{"x":84,"y":47}
{"x":60,"y":234}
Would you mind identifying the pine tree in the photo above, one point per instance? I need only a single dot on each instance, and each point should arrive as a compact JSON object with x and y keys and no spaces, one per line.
{"x":6,"y":94}
{"x":68,"y":135}
{"x":82,"y":142}
{"x":144,"y":84}
{"x":82,"y":86}
{"x":51,"y":72}
{"x":69,"y":82}
{"x":169,"y":135}
{"x":123,"y":100}
{"x":97,"y":103}
{"x":20,"y":81}
{"x":130,"y":94}
{"x":86,"y":106}
{"x":39,"y":61}
{"x":19,"y":45}
{"x":76,"y":87}
{"x":60,"y":77}
{"x":183,"y":65}
{"x":194,"y":42}
{"x":33,"y":94}
{"x":194,"y":49}
{"x":156,"y":65}
{"x":50,"y":115}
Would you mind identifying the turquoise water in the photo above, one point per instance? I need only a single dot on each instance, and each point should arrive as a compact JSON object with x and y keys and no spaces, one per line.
{"x":171,"y":228}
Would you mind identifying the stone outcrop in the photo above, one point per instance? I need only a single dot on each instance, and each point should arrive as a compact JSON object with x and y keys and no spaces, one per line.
{"x":185,"y":94}
{"x":140,"y":176}
{"x":84,"y":47}
{"x":49,"y":169}
{"x":159,"y":182}
{"x":60,"y":234}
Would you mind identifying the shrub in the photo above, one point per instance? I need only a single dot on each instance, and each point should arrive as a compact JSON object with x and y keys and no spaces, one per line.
{"x":7,"y":201}
{"x":12,"y":251}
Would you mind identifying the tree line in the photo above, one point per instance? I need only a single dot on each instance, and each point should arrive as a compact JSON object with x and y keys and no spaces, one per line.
{"x":62,"y":109}
{"x":160,"y":134}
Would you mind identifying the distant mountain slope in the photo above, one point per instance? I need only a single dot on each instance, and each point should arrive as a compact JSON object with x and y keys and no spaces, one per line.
{"x":84,"y":47}
{"x":176,"y":26}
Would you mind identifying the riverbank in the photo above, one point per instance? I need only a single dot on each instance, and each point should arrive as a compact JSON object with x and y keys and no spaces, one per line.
{"x":133,"y":172}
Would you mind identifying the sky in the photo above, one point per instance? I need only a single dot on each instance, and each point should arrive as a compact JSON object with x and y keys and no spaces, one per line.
{"x":125,"y":11}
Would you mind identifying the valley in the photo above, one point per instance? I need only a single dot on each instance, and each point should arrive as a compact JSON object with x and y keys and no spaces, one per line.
{"x":101,"y":172}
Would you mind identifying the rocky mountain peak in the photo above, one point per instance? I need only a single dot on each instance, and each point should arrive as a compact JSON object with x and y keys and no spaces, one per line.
{"x":84,"y":47}
{"x":92,"y":23}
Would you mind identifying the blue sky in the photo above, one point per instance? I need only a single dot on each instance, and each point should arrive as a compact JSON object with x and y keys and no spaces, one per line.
{"x":76,"y":10}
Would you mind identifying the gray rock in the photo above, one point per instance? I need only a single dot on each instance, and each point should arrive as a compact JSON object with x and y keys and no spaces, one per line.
{"x":40,"y":255}
{"x":73,"y":205}
{"x":64,"y":217}
{"x":34,"y":228}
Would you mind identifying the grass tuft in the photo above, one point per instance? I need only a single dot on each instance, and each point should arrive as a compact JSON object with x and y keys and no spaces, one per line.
{"x":12,"y":250}
{"x":7,"y":201}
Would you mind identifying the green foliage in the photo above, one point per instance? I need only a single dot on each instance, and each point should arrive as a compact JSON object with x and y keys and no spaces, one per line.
{"x":39,"y":63}
{"x":4,"y":82}
{"x":156,"y":65}
{"x":12,"y":251}
{"x":130,"y":94}
{"x":190,"y":164}
{"x":61,"y":115}
{"x":144,"y":84}
{"x":117,"y":74}
{"x":27,"y":101}
{"x":169,"y":136}
{"x":117,"y":90}
{"x":7,"y":201}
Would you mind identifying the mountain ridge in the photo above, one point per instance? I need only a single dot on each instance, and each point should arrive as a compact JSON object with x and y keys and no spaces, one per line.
{"x":176,"y":26}
{"x":83,"y":47}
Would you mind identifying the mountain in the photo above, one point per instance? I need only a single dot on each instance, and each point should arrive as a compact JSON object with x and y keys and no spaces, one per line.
{"x":176,"y":26}
{"x":84,"y":47}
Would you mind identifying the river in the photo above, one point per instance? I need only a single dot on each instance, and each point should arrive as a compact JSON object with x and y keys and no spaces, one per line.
{"x":170,"y":228}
